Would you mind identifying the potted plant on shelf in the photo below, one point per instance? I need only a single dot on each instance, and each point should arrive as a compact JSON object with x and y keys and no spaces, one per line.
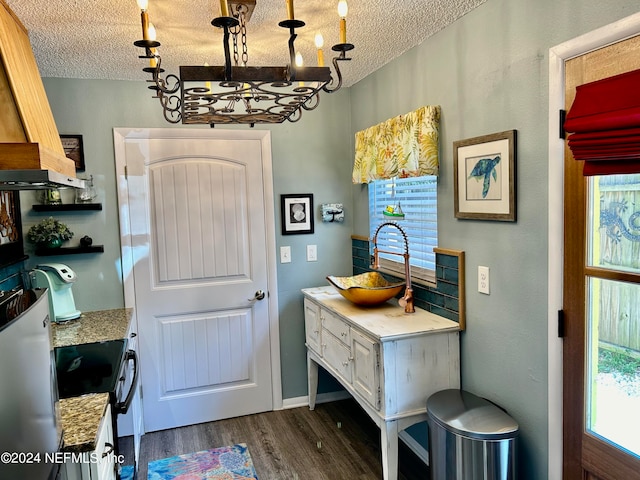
{"x":49,"y":233}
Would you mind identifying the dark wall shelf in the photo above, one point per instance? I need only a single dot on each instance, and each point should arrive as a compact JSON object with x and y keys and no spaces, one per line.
{"x":42,"y":251}
{"x":4,"y":264}
{"x":68,"y":207}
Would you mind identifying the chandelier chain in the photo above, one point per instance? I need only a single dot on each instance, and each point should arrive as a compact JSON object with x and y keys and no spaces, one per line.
{"x":243,"y":31}
{"x":243,"y":95}
{"x":234,"y":34}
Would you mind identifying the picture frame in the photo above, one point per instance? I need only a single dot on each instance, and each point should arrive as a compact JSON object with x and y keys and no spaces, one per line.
{"x":11,"y":246}
{"x":74,"y":149}
{"x":484,"y":177}
{"x":297,"y":213}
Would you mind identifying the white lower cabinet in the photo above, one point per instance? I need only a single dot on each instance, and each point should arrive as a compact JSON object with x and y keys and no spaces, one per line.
{"x":366,"y":363}
{"x":312,"y":325}
{"x":388,"y":360}
{"x":100,"y":464}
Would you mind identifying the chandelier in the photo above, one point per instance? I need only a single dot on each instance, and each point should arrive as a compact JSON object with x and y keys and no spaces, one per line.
{"x":241,"y":94}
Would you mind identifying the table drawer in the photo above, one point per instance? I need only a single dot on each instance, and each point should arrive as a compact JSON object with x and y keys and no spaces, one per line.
{"x":335,"y":326}
{"x":337,"y":356}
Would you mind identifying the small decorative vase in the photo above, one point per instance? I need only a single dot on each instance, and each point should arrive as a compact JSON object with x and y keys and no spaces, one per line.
{"x":54,"y":243}
{"x":86,"y":241}
{"x":52,"y":197}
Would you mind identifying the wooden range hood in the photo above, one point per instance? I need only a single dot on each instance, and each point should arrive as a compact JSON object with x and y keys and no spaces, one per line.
{"x":31,"y":153}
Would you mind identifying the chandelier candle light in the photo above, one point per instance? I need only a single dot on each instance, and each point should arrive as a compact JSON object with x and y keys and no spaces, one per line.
{"x":319,"y":44}
{"x":343,"y":9}
{"x":240,"y":94}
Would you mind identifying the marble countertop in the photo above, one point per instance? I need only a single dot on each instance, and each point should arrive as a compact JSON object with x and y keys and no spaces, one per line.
{"x":81,"y":416}
{"x":384,"y":322}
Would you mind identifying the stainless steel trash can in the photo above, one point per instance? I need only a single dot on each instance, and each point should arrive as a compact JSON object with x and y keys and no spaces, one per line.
{"x":470,"y":438}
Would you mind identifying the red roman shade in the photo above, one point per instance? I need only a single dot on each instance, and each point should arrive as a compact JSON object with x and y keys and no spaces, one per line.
{"x":604,"y":122}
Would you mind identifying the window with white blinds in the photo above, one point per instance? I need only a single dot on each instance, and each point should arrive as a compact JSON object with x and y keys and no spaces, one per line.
{"x":417,"y":197}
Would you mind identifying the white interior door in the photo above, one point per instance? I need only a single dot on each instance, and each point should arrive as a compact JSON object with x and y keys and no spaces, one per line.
{"x":200,"y":220}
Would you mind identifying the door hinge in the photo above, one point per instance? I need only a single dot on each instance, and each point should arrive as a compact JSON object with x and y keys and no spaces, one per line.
{"x":563,"y":117}
{"x":561,"y":323}
{"x":126,"y":173}
{"x":141,"y":394}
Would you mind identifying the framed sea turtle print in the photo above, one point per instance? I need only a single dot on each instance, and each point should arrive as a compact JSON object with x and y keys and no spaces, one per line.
{"x":484,"y":171}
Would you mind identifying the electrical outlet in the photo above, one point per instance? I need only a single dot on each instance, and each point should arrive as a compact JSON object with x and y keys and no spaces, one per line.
{"x":483,"y":280}
{"x":285,"y":254}
{"x":312,"y":253}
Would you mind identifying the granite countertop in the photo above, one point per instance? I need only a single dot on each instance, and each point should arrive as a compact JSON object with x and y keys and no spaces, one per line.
{"x":81,"y":416}
{"x":91,"y":327}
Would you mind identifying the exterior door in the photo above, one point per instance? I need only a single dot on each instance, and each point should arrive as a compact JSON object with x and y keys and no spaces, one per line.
{"x":199,"y":238}
{"x":601,"y":391}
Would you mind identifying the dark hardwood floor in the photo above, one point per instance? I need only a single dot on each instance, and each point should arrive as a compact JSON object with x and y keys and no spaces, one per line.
{"x":335,"y":441}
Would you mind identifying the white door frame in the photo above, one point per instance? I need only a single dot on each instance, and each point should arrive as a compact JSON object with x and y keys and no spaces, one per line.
{"x":607,"y":35}
{"x":262,"y":136}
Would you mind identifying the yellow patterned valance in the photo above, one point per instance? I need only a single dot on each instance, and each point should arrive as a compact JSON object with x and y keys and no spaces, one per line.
{"x":403,"y":146}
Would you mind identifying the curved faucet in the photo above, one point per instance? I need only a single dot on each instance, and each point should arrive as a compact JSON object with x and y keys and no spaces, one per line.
{"x":407,"y":299}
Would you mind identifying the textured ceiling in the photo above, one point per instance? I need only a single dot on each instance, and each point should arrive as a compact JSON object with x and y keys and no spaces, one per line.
{"x":94,"y":38}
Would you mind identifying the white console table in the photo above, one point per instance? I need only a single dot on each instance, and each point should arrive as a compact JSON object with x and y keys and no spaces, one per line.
{"x":388,"y":360}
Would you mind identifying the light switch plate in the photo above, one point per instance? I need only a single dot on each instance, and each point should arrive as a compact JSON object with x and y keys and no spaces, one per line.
{"x":285,"y":254}
{"x":312,"y":253}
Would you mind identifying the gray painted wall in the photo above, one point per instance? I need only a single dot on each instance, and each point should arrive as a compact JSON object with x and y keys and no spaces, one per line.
{"x":489,"y":72}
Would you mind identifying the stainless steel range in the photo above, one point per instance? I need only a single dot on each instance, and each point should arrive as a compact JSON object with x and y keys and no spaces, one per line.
{"x":100,"y":367}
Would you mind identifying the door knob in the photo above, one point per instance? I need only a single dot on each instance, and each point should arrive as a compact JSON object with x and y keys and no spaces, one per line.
{"x":258,"y":296}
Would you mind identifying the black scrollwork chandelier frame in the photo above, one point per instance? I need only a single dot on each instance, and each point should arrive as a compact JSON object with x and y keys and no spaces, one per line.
{"x":240,"y":94}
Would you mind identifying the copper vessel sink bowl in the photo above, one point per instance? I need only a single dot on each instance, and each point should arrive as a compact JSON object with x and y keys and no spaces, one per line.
{"x":367,"y":289}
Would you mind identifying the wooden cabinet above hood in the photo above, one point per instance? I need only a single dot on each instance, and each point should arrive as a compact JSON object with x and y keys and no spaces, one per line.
{"x":29,"y":138}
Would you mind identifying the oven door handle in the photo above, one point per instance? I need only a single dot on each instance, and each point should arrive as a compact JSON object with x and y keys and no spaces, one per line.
{"x":123,"y":407}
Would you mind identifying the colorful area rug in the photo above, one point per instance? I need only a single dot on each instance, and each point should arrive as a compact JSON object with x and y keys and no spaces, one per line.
{"x":126,"y":473}
{"x":225,"y":463}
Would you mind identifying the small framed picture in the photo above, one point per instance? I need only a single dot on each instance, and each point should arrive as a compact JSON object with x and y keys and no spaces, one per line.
{"x":297,"y":213}
{"x":484,"y":177}
{"x":74,"y":149}
{"x":11,"y":248}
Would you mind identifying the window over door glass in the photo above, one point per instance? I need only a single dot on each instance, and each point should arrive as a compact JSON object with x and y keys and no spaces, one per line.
{"x":613,"y":311}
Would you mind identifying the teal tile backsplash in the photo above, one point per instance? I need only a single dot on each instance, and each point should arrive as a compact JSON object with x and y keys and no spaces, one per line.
{"x":445,"y":299}
{"x":11,"y":276}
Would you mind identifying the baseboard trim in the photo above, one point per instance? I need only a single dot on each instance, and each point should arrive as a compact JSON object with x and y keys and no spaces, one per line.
{"x":297,"y":402}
